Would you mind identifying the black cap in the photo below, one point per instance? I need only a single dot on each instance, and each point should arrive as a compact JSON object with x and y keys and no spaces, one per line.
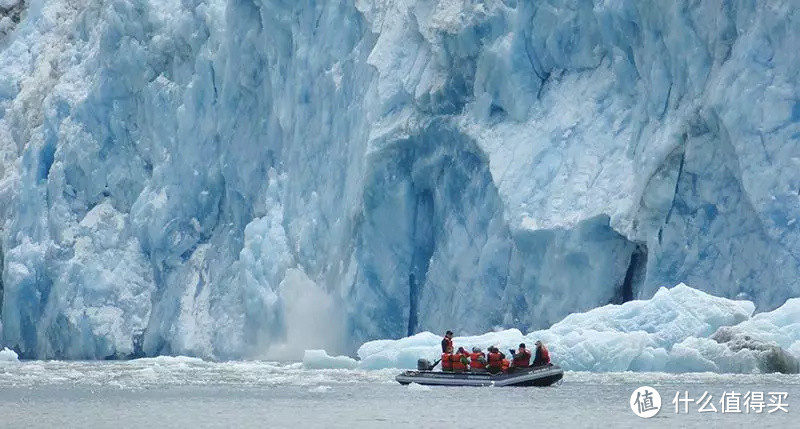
{"x":449,"y":333}
{"x":522,"y":345}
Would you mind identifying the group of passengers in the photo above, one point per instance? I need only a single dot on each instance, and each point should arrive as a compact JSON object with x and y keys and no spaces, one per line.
{"x":494,"y":361}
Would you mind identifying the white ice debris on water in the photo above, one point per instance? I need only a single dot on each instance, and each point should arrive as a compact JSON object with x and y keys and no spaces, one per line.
{"x":7,"y":355}
{"x":319,"y":359}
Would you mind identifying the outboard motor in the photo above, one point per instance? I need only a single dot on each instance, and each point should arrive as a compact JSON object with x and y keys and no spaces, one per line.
{"x":423,"y":365}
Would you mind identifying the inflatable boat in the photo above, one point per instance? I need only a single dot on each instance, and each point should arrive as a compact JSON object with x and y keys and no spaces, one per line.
{"x":532,"y":376}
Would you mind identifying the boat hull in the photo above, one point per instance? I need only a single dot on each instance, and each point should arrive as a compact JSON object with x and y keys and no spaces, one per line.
{"x":539,"y":376}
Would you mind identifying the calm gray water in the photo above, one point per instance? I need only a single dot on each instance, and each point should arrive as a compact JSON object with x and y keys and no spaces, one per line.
{"x":183,"y":392}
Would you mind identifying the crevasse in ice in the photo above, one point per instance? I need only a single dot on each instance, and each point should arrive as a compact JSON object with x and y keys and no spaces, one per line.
{"x":242,"y":178}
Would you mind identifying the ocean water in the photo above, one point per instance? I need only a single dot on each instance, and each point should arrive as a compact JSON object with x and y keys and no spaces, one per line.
{"x":185,"y":392}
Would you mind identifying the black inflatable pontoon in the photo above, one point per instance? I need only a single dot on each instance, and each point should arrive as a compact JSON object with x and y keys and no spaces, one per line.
{"x":532,"y":376}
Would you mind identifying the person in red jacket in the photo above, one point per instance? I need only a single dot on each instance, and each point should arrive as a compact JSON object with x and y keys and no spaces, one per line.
{"x":477,"y":360}
{"x":522,"y":358}
{"x":542,"y":355}
{"x":494,"y":360}
{"x":447,"y":341}
{"x":447,"y":361}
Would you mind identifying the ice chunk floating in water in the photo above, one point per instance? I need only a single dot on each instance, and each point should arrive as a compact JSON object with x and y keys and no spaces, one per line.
{"x":319,"y":359}
{"x":7,"y":355}
{"x":177,"y":177}
{"x":679,"y":329}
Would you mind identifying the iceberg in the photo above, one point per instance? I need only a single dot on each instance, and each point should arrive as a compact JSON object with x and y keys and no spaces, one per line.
{"x":7,"y":355}
{"x":678,"y":330}
{"x":209,"y":177}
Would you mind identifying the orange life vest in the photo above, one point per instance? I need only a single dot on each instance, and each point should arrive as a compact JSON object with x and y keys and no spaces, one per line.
{"x":447,"y":364}
{"x":495,"y":360}
{"x":505,"y":365}
{"x":522,"y":359}
{"x":474,"y":363}
{"x":545,"y":355}
{"x":456,"y":363}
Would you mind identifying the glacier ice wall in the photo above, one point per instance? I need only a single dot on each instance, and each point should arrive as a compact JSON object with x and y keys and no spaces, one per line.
{"x":233,"y":178}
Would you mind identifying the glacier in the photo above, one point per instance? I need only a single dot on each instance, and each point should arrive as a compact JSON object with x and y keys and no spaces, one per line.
{"x":253,"y":178}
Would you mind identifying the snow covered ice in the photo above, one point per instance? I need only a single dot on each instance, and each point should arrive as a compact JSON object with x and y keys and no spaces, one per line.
{"x":678,"y":330}
{"x":231,"y":179}
{"x":7,"y":355}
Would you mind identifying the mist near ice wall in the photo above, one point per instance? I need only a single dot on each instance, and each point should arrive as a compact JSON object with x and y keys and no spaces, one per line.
{"x":312,"y":319}
{"x":168,"y":168}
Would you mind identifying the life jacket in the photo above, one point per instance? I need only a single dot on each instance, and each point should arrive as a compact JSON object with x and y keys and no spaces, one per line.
{"x":447,"y":364}
{"x":474,"y":363}
{"x":504,"y":365}
{"x":456,"y":362}
{"x":522,"y":359}
{"x":545,"y":355}
{"x":494,"y":360}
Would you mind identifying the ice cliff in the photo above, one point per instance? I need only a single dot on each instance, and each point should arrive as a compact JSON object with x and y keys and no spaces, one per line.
{"x":250,"y":178}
